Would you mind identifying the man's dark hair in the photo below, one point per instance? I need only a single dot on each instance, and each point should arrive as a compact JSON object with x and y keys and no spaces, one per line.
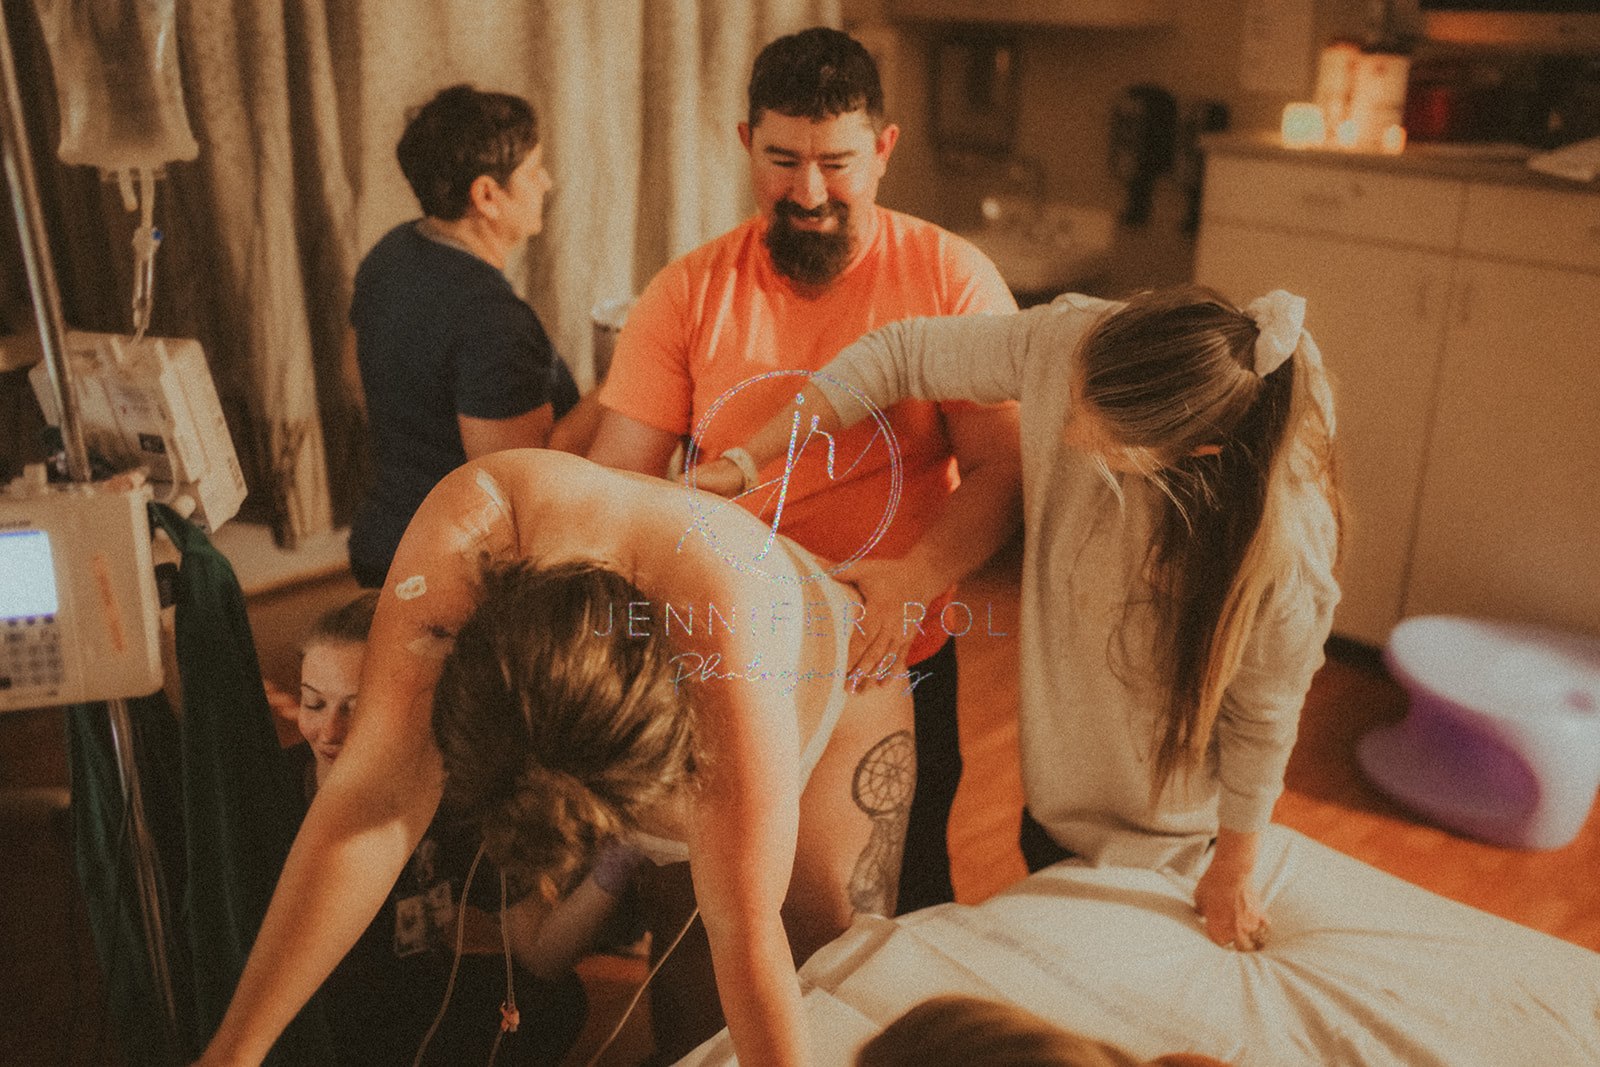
{"x":815,"y":74}
{"x":458,"y":135}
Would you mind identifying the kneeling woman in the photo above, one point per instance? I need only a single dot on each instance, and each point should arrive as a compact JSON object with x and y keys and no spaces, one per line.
{"x":1182,"y":526}
{"x":620,"y":658}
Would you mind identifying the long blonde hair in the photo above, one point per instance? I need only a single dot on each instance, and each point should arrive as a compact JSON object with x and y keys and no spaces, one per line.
{"x":1173,"y":373}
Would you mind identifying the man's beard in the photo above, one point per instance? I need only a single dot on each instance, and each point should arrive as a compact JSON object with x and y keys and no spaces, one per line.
{"x":808,"y":256}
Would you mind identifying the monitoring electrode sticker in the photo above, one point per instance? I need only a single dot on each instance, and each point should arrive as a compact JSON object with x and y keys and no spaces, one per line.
{"x":772,"y":495}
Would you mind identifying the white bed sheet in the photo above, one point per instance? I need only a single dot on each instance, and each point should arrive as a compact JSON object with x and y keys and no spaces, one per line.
{"x":1362,"y":969}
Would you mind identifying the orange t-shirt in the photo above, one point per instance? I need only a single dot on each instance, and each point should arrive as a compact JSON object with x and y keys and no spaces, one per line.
{"x":714,"y":319}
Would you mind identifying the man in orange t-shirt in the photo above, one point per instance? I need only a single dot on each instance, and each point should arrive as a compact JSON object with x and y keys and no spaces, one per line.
{"x":703,"y":354}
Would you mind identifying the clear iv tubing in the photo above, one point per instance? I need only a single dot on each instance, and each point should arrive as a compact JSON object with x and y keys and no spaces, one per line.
{"x":639,"y":993}
{"x":146,"y":240}
{"x":509,"y":1009}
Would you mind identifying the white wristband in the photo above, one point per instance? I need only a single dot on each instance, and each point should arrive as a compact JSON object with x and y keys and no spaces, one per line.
{"x":746,"y":464}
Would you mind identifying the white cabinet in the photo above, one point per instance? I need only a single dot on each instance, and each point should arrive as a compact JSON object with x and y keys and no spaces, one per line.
{"x":1509,"y":523}
{"x":1379,"y":209}
{"x":1467,"y":383}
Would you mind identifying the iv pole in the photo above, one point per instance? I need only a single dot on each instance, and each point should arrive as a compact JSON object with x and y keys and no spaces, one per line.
{"x":52,"y":336}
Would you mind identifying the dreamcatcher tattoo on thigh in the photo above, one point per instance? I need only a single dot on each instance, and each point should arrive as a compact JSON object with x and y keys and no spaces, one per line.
{"x":884,"y":782}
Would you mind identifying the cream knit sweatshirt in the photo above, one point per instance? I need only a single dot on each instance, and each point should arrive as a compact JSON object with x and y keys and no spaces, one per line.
{"x":1089,"y":700}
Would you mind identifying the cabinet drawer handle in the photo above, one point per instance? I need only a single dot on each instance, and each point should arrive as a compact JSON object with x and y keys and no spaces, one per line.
{"x":1322,"y":199}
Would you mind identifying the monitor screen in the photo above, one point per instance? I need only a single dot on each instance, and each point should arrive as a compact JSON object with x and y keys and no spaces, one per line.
{"x":29,"y":589}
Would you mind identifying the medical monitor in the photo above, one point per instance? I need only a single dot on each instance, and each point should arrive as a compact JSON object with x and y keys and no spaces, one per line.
{"x":79,"y":613}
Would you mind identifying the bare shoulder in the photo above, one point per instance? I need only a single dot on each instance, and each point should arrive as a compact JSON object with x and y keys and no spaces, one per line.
{"x":562,"y":506}
{"x":673,"y":541}
{"x":547,"y":491}
{"x":537,"y":473}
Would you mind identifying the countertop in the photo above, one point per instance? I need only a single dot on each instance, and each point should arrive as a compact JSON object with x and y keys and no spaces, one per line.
{"x":262,"y":567}
{"x":1467,"y":161}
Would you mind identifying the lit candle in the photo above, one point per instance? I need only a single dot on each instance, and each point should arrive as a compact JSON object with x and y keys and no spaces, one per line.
{"x":1303,"y":126}
{"x":1394,"y":139}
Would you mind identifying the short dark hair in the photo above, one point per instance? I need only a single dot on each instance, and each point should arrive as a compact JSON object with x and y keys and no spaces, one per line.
{"x":815,"y":74}
{"x":458,"y":135}
{"x":347,"y":624}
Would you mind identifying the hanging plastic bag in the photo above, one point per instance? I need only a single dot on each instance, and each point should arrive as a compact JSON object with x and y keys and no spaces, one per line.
{"x":121,"y":104}
{"x":117,"y":85}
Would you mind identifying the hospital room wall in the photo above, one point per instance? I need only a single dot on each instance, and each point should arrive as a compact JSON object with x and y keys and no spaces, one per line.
{"x":1070,"y":80}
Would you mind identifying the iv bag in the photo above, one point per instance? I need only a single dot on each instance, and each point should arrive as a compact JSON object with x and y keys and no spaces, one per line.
{"x":117,"y":86}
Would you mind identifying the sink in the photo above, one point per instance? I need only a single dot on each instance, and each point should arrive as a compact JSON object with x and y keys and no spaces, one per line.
{"x":1043,"y":249}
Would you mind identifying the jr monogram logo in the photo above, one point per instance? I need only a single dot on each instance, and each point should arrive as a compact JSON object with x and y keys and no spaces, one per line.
{"x":771,"y":496}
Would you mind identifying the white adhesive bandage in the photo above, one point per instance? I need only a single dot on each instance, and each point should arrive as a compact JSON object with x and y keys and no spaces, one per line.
{"x":431,"y":646}
{"x":491,"y":489}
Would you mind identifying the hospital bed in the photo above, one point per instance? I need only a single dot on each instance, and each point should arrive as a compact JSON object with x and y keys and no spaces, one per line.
{"x":1361,"y":969}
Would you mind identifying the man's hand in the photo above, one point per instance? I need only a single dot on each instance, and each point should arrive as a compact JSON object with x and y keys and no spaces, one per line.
{"x":1226,"y":897}
{"x":720,"y":476}
{"x":878,"y":647}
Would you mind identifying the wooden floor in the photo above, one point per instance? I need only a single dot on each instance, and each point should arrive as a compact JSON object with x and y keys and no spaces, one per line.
{"x":1556,"y":891}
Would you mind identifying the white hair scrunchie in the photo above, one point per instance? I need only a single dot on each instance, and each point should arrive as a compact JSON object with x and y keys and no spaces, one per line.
{"x":1280,"y":316}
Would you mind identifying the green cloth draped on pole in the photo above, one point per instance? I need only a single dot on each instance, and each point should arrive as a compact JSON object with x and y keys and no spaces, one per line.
{"x":223,"y":807}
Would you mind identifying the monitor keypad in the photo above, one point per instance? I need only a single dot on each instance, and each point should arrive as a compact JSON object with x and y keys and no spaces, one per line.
{"x":30,"y":653}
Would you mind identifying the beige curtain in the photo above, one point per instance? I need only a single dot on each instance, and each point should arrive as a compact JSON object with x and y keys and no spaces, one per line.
{"x":637,"y":99}
{"x":271,"y":196}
